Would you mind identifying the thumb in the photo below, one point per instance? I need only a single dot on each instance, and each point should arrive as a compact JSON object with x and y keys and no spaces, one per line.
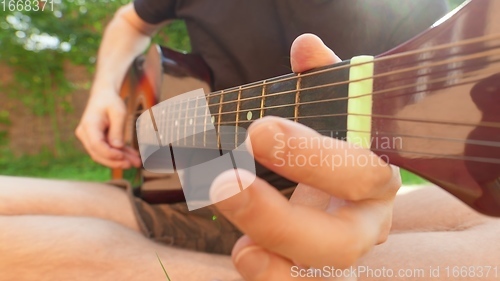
{"x":116,"y":116}
{"x":308,"y":52}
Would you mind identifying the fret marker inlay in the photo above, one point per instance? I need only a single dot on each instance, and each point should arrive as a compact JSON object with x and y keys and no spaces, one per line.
{"x":249,"y":115}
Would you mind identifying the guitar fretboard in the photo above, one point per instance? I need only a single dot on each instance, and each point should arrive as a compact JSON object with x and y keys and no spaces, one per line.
{"x":316,"y":99}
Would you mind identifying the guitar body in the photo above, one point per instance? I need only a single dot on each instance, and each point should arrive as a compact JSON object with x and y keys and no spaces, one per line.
{"x":158,"y":75}
{"x":442,"y":106}
{"x":139,"y":93}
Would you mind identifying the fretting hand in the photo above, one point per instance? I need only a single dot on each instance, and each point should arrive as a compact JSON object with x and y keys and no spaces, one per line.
{"x":337,"y":213}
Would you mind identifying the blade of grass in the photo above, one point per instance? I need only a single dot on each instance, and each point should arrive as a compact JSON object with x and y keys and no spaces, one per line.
{"x":164,"y":270}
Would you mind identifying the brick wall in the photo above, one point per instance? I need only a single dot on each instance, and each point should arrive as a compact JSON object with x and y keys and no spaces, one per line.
{"x":29,"y":133}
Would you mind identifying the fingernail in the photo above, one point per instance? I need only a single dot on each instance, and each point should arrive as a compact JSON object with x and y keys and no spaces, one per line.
{"x":220,"y":193}
{"x":227,"y":185}
{"x":251,"y":262}
{"x":266,"y":139}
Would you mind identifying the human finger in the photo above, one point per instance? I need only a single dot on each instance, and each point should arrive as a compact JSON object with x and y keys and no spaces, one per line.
{"x":116,"y":117}
{"x":301,"y":154}
{"x":308,"y":52}
{"x":255,"y":263}
{"x":293,"y":231}
{"x":132,"y":156}
{"x":94,"y":143}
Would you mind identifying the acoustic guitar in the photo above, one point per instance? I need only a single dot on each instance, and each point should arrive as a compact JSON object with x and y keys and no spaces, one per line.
{"x":434,"y":101}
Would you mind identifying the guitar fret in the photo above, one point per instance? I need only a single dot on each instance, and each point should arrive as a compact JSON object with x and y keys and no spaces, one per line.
{"x":297,"y":98}
{"x":159,"y":119}
{"x":154,"y":126}
{"x":177,"y":121}
{"x":194,"y":121}
{"x":186,"y":122}
{"x":170,"y":121}
{"x":262,"y":101}
{"x":237,"y":118}
{"x":221,"y":98}
{"x":207,"y":112}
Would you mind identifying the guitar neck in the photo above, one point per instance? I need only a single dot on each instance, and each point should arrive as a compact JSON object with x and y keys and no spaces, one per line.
{"x":304,"y":98}
{"x":318,"y":99}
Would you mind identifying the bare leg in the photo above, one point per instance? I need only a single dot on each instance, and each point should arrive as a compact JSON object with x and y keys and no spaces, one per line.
{"x":71,"y":248}
{"x":433,"y":209}
{"x":67,"y":230}
{"x":433,"y":231}
{"x":28,"y":196}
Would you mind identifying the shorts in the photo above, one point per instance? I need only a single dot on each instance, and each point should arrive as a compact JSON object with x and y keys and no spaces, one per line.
{"x":204,"y":229}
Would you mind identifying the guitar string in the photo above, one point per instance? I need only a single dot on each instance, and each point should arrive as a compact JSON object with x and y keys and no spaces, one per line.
{"x":434,"y":138}
{"x":460,"y":157}
{"x":378,"y":134}
{"x":325,"y":71}
{"x":332,"y":85}
{"x":490,"y":124}
{"x":448,"y":61}
{"x":441,"y":63}
{"x":482,"y":39}
{"x":442,"y":156}
{"x":392,"y":118}
{"x":437,"y":156}
{"x":334,"y":99}
{"x":430,"y":82}
{"x":345,"y":98}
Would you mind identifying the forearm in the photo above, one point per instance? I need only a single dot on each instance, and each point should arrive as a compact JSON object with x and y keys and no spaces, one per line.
{"x":125,"y":37}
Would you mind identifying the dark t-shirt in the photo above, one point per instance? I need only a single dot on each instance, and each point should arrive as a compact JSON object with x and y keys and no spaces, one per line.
{"x":249,"y":40}
{"x":244,"y":41}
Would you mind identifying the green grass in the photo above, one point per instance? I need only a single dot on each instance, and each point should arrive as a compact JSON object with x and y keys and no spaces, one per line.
{"x":164,"y":270}
{"x":73,"y":165}
{"x":410,"y":178}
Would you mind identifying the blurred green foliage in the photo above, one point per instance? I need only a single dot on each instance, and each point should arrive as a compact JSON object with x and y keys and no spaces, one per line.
{"x":36,"y":46}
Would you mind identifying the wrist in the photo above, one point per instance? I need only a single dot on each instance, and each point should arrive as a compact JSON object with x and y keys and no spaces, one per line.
{"x":104,"y":88}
